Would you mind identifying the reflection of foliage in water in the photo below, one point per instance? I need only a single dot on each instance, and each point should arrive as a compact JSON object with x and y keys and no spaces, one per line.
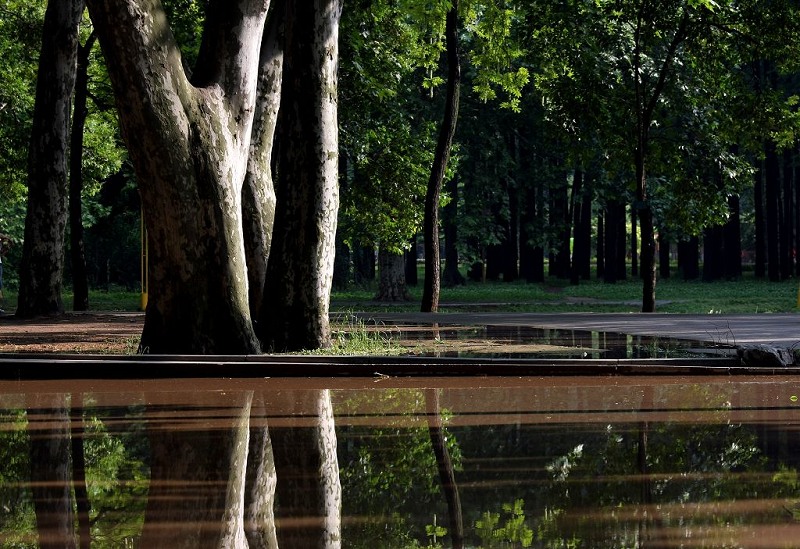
{"x":389,"y":474}
{"x":117,"y":480}
{"x":17,"y":520}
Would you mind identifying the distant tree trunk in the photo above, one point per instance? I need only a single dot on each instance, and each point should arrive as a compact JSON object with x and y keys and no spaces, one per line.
{"x":445,"y":466}
{"x":561,"y":224}
{"x":759,"y":221}
{"x":601,"y":245}
{"x":430,"y":292}
{"x":787,"y":214}
{"x":495,"y":261}
{"x":364,"y":264}
{"x":582,"y":227}
{"x":531,"y":257}
{"x":42,"y":265}
{"x":452,"y":275}
{"x":732,"y":237}
{"x":511,"y":259}
{"x":772,"y":211}
{"x":214,"y":462}
{"x":713,"y":254}
{"x":689,"y":258}
{"x":258,"y":190}
{"x":634,"y":243}
{"x":391,"y":271}
{"x":297,"y":295}
{"x":308,"y":478}
{"x":615,"y":241}
{"x":51,"y":486}
{"x":80,"y":282}
{"x":189,"y":144}
{"x":663,"y":255}
{"x":412,"y":279}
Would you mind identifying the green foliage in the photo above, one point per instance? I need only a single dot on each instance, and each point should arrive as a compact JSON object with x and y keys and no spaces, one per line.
{"x":17,"y":518}
{"x":513,"y":533}
{"x":117,"y":480}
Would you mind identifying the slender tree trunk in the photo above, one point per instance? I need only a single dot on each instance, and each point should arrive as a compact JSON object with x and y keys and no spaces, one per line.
{"x":300,"y":271}
{"x":51,"y":486}
{"x":77,"y":438}
{"x":452,"y":275}
{"x":391,"y":270}
{"x":80,"y":282}
{"x":445,"y":466}
{"x":258,"y":189}
{"x":42,"y":265}
{"x":511,"y":263}
{"x":432,"y":283}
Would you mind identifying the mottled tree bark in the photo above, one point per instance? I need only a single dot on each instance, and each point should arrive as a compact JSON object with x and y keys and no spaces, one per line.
{"x":259,"y":515}
{"x":42,"y":265}
{"x":258,"y":190}
{"x":308,"y":478}
{"x":432,"y":282}
{"x":189,"y":143}
{"x":294,"y":313}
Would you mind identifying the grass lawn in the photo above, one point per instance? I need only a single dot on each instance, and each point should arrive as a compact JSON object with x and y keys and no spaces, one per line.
{"x":673,"y":296}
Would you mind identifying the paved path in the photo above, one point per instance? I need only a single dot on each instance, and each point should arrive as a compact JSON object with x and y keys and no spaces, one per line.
{"x":781,"y":330}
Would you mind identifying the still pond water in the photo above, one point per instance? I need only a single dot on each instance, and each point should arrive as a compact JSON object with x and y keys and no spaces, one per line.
{"x":555,"y":462}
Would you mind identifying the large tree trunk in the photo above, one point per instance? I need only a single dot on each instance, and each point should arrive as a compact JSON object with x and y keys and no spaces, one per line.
{"x":80,"y":282}
{"x":51,"y":487}
{"x":432,"y":283}
{"x":213,"y":461}
{"x":258,"y":190}
{"x":713,"y":254}
{"x":294,"y":314}
{"x":42,"y":265}
{"x":189,"y":144}
{"x":308,"y":478}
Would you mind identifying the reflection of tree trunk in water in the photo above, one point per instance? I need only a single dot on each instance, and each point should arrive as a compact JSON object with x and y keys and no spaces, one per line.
{"x":446,"y":473}
{"x":197,"y":483}
{"x":309,"y":493}
{"x":50,"y":471}
{"x":77,"y":433}
{"x":259,"y":525}
{"x":646,"y":488}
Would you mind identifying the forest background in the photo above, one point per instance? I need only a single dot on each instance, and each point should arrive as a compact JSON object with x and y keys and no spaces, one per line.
{"x":543,"y":184}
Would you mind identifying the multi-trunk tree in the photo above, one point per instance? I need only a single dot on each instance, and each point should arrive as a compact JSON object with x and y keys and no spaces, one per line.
{"x":190,"y":139}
